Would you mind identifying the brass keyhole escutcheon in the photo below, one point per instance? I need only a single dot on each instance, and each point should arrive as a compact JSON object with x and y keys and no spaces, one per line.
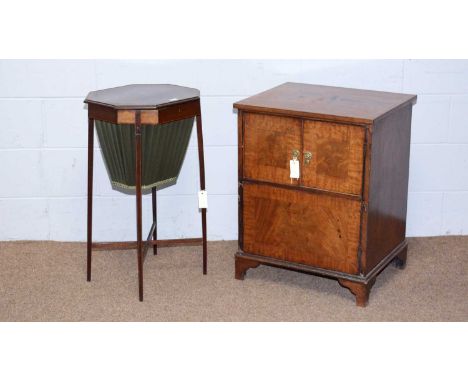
{"x":295,"y":154}
{"x":307,"y":157}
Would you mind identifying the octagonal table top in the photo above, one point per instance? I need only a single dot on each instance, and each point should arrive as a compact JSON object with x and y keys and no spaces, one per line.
{"x":142,"y":96}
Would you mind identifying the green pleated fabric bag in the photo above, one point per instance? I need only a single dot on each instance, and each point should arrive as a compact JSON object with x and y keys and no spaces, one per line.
{"x":163,"y":151}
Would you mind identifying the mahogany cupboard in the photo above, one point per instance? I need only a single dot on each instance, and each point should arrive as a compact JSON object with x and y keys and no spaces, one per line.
{"x":344,"y":216}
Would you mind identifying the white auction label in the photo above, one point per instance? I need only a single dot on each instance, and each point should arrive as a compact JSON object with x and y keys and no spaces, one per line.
{"x":202,"y":199}
{"x":294,"y":169}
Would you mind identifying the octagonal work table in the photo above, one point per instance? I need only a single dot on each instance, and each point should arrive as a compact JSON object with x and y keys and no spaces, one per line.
{"x":144,"y":131}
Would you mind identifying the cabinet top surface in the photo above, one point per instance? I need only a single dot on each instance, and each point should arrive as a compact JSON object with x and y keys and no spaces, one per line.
{"x":147,"y":96}
{"x":327,"y":102}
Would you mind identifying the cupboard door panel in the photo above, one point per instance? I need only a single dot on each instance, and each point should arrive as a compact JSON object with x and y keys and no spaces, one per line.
{"x":302,"y":227}
{"x":268,"y":145}
{"x":337,"y":157}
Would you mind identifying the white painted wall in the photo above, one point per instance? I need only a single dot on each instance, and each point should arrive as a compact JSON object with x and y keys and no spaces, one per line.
{"x":43,"y":131}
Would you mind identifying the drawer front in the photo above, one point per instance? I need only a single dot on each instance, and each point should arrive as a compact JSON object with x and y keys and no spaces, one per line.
{"x":301,"y":227}
{"x":337,"y":154}
{"x":268,"y":145}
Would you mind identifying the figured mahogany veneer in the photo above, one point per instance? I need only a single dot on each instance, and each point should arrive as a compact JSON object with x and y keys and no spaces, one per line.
{"x":337,"y":153}
{"x":345,"y":217}
{"x":313,"y":229}
{"x":267,"y":140}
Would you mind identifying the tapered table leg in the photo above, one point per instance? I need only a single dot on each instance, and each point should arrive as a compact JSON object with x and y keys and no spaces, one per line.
{"x":155,"y":233}
{"x":201,"y":160}
{"x":138,"y":180}
{"x":90,"y":197}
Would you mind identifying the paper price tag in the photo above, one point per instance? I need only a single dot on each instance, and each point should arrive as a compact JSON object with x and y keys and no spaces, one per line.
{"x":294,"y":169}
{"x":202,"y":199}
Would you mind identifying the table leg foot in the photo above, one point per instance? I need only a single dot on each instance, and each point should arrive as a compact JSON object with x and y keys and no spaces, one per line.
{"x":400,"y":260}
{"x":242,"y":266}
{"x":360,"y":290}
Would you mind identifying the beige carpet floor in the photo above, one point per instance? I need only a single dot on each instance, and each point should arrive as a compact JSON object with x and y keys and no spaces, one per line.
{"x":45,"y":281}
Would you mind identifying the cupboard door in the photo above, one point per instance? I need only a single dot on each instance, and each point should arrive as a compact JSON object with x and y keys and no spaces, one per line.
{"x":301,"y":227}
{"x":268,"y":145}
{"x":336,"y":156}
